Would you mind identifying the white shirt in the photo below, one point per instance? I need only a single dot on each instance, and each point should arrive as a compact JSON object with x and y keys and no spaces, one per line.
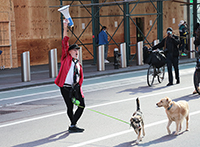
{"x":70,"y":75}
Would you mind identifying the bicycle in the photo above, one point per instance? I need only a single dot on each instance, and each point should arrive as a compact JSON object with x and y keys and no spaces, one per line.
{"x":155,"y":71}
{"x":196,"y":78}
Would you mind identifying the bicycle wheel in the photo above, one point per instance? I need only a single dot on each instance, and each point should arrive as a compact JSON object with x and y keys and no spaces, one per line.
{"x":161,"y":73}
{"x":197,"y":81}
{"x":150,"y":75}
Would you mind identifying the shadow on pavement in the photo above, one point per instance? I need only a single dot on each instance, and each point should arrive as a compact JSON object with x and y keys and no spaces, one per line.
{"x":52,"y":138}
{"x":156,"y":141}
{"x":133,"y":91}
{"x":162,"y":139}
{"x":188,"y":97}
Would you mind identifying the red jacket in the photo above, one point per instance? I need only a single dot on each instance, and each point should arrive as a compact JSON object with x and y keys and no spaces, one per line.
{"x":66,"y":60}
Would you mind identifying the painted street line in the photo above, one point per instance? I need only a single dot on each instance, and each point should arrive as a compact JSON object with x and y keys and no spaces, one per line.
{"x":123,"y":132}
{"x":94,"y":106}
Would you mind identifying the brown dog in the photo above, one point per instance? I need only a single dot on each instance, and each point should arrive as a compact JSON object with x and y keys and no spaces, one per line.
{"x":176,"y":111}
{"x":137,"y":122}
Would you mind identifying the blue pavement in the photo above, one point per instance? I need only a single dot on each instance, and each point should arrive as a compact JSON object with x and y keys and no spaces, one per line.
{"x":11,"y":78}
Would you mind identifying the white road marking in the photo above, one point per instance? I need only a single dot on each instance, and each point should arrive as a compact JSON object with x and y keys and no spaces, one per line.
{"x":133,"y":98}
{"x":27,"y":101}
{"x":32,"y":119}
{"x":123,"y":132}
{"x":94,"y":106}
{"x":88,"y":88}
{"x":96,"y":86}
{"x":27,"y":95}
{"x":22,"y":89}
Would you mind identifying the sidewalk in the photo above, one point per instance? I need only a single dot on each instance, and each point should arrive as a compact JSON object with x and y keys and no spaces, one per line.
{"x":11,"y":78}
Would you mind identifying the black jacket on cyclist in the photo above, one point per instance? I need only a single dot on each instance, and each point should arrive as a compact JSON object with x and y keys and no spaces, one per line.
{"x":170,"y":47}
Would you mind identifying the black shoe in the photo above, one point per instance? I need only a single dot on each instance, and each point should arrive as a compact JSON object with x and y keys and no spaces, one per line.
{"x":178,"y":81}
{"x":75,"y":129}
{"x":169,"y":84}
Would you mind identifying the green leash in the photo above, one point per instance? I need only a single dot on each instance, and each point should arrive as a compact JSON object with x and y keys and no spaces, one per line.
{"x":77,"y":103}
{"x":108,"y":116}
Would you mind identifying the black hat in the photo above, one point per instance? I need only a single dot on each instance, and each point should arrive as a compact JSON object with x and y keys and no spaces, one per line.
{"x":169,"y":29}
{"x":104,"y":27}
{"x":73,"y":46}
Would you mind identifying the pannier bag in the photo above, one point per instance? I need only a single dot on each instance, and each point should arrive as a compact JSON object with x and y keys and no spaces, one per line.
{"x":146,"y":55}
{"x":157,"y":59}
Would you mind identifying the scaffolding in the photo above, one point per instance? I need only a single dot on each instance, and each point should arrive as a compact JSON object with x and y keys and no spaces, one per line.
{"x":126,"y":7}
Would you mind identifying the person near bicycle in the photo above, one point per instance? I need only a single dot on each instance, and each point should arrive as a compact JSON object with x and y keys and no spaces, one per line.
{"x":197,"y":44}
{"x":197,"y":37}
{"x":171,"y":50}
{"x":196,"y":74}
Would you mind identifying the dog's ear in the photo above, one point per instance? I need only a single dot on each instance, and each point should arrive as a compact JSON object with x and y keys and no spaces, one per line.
{"x":168,"y":100}
{"x":134,"y":113}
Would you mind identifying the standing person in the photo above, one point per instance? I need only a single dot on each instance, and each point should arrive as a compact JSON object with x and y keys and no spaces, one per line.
{"x":183,"y":37}
{"x":103,"y":40}
{"x":196,"y":43}
{"x":197,"y":36}
{"x":71,"y":76}
{"x":172,"y":54}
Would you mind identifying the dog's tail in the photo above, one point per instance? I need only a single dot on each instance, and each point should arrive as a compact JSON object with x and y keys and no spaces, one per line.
{"x":138,"y":104}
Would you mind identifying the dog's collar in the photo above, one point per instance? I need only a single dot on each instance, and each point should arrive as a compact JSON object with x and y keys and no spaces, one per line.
{"x":170,"y":107}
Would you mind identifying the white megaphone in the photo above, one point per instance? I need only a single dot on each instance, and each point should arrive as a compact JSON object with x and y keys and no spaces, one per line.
{"x":65,"y":11}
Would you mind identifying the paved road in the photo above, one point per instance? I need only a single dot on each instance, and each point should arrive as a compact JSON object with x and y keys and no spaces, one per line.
{"x":36,"y":116}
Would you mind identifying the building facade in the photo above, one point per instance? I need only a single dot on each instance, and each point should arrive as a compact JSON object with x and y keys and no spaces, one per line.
{"x":35,"y":26}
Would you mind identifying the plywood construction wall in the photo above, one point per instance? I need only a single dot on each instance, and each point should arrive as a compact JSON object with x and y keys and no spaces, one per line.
{"x":36,"y":27}
{"x":171,"y":10}
{"x":8,"y":59}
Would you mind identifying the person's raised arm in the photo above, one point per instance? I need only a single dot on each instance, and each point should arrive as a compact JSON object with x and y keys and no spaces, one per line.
{"x":65,"y":44}
{"x":65,"y":24}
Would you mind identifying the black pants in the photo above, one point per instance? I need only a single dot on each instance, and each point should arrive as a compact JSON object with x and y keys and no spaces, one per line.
{"x":172,"y":61}
{"x":74,"y":117}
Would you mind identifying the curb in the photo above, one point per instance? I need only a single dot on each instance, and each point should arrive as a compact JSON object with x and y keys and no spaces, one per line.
{"x":87,"y":75}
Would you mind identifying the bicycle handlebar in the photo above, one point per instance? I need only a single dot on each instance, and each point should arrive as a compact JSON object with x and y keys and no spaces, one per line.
{"x":195,"y":51}
{"x":156,"y":50}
